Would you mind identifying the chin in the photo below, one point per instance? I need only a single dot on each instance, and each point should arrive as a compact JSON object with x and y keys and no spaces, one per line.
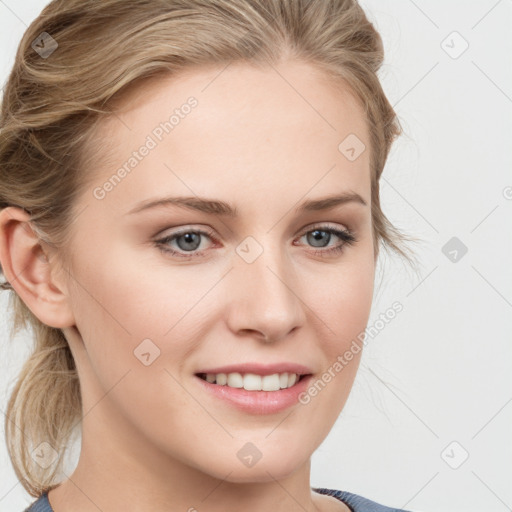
{"x":271,"y":465}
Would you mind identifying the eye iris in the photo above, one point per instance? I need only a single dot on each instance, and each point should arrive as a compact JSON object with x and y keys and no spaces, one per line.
{"x":317,"y":235}
{"x":189,"y":237}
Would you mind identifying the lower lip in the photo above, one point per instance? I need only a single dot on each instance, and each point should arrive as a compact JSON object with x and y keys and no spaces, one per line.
{"x":258,"y":402}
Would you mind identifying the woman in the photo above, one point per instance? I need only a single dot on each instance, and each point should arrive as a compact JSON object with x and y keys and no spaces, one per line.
{"x":190,"y":224}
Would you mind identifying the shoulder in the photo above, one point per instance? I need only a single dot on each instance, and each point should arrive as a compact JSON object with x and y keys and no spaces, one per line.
{"x":40,"y":505}
{"x":355,"y":502}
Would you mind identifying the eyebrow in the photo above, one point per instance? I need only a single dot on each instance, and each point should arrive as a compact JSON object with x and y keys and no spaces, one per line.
{"x":217,"y":207}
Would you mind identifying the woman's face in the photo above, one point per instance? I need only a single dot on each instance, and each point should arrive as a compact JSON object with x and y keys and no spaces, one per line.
{"x":261,"y":285}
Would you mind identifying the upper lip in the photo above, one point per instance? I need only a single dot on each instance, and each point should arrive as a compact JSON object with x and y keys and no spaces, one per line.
{"x":260,"y":369}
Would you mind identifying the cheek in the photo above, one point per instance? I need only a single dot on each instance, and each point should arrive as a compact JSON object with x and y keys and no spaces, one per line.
{"x":344,"y":311}
{"x":114,"y":311}
{"x":343,"y":305}
{"x":349,"y":306}
{"x":135,"y":343}
{"x":139,"y":312}
{"x":341,"y":296}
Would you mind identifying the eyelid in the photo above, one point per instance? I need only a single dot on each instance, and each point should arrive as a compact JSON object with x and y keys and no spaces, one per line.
{"x":320,"y":225}
{"x":187,"y":229}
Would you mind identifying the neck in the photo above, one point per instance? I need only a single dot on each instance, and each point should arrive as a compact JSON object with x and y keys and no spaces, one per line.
{"x":116,"y":474}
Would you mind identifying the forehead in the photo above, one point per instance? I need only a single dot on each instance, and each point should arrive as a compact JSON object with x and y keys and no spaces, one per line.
{"x":236,"y":131}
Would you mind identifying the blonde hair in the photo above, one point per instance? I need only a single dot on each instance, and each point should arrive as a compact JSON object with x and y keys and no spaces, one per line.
{"x":53,"y":103}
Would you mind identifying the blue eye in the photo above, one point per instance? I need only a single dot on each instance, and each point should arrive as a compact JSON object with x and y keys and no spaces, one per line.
{"x":189,"y":240}
{"x":319,"y":232}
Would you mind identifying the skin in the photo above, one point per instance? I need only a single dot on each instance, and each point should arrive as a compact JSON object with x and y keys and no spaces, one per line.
{"x":264,"y":140}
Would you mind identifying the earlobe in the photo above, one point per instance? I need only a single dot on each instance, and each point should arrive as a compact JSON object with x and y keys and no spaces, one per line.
{"x":28,"y":269}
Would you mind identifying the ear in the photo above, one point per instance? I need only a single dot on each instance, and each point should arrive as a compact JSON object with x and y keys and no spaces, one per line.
{"x":26,"y":264}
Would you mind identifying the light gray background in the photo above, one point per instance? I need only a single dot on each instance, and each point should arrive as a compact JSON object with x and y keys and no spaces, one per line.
{"x":440,"y":371}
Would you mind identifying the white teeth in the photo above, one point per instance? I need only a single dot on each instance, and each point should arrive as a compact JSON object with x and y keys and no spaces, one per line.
{"x":235,"y":380}
{"x":253,"y":382}
{"x":270,"y":382}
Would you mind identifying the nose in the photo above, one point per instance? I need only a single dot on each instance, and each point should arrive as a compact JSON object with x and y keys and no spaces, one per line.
{"x":264,"y":299}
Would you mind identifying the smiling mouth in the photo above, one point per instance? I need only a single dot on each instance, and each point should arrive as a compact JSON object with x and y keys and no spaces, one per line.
{"x":252,"y":381}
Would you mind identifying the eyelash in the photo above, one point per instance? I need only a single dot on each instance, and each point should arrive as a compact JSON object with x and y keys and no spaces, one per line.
{"x":347,"y":236}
